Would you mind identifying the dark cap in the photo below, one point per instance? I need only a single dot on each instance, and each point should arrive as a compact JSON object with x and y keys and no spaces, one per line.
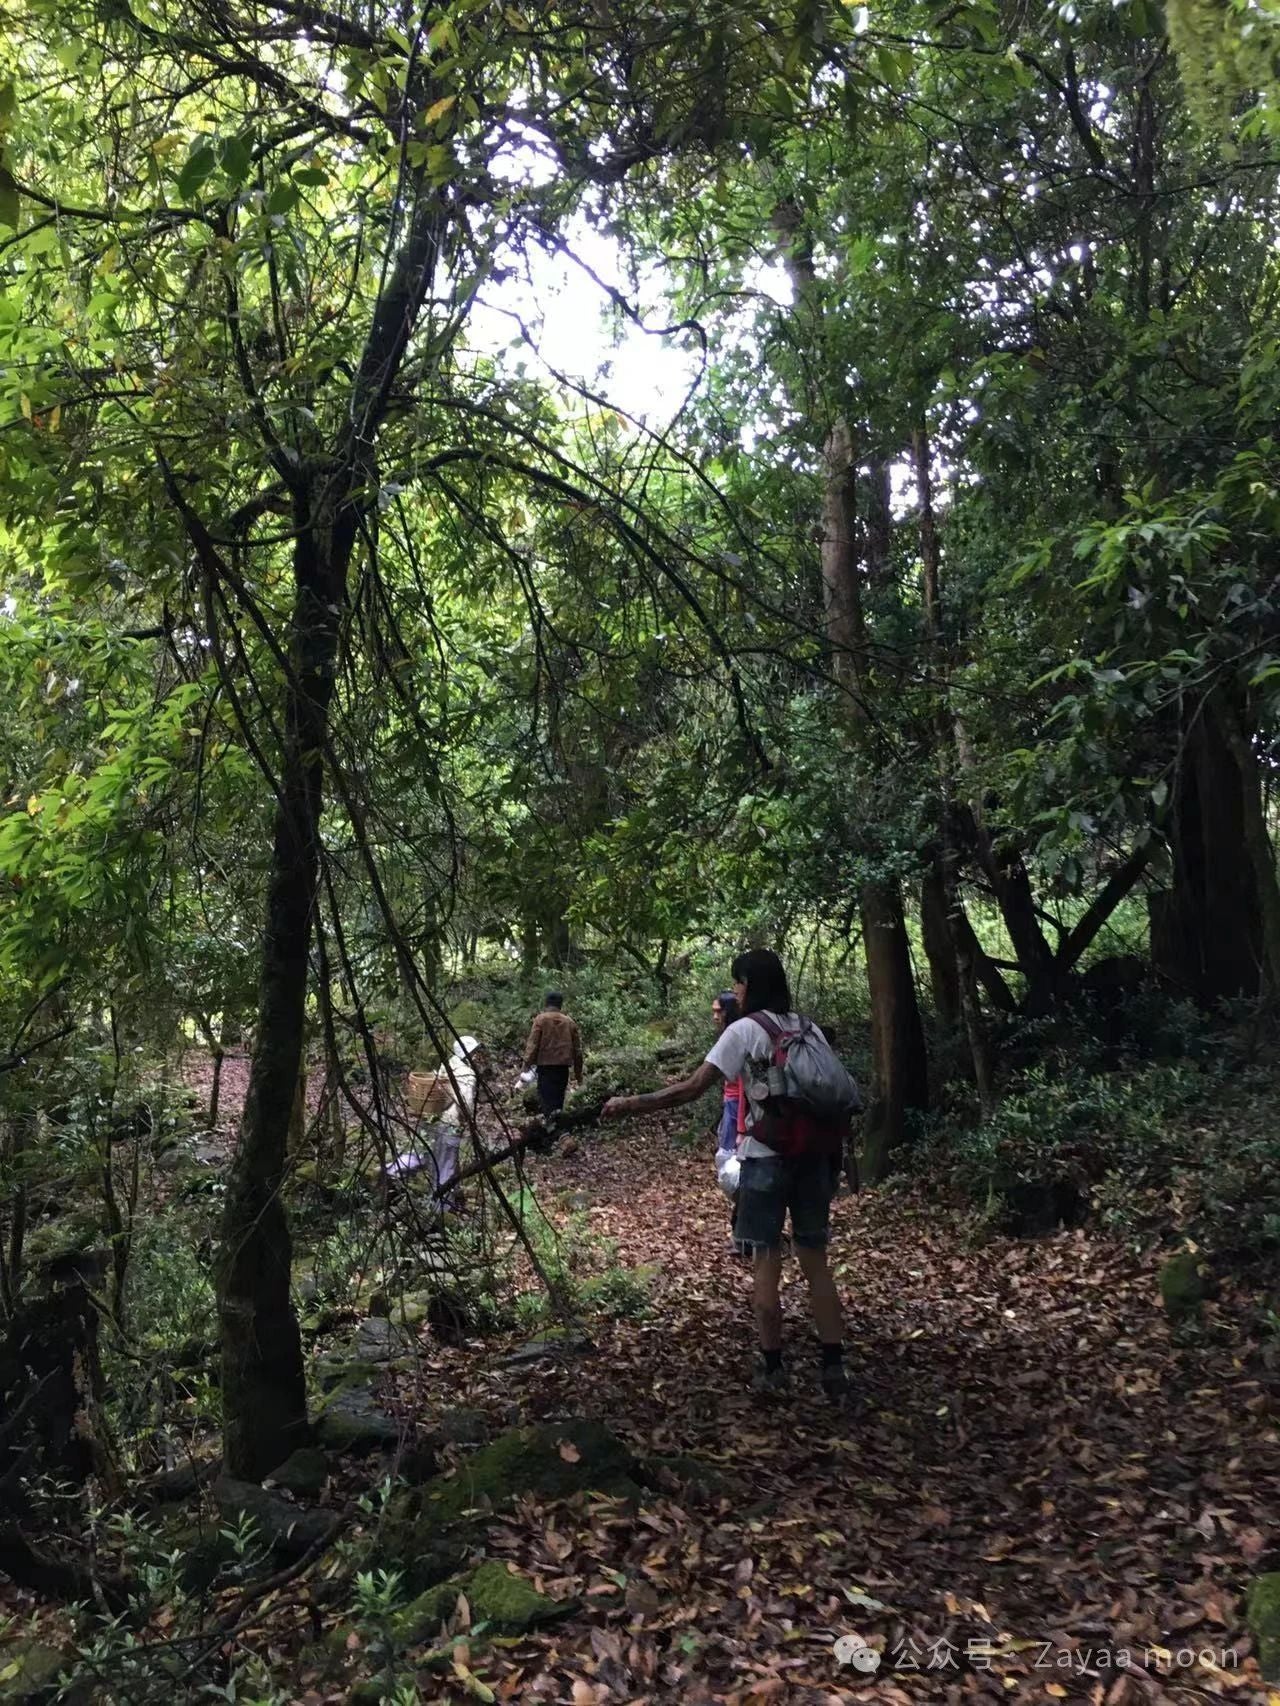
{"x":553,"y":998}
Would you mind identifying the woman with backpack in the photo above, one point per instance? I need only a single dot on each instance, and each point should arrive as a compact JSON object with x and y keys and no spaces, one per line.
{"x":794,"y":1093}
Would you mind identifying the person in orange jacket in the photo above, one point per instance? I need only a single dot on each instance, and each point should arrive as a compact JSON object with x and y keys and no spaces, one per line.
{"x":554,"y":1046}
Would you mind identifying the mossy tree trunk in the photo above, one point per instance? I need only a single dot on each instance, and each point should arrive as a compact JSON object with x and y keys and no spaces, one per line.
{"x":1207,"y":928}
{"x":263,"y":1389}
{"x":900,"y":1064}
{"x":939,"y":949}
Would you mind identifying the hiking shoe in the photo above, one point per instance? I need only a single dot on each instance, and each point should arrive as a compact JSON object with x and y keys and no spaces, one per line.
{"x":770,"y":1381}
{"x":835,"y":1382}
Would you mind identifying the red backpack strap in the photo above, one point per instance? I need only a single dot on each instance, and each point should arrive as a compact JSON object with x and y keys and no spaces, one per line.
{"x":769,"y":1025}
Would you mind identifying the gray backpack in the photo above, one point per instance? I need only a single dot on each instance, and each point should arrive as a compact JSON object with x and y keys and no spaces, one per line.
{"x":802,"y":1098}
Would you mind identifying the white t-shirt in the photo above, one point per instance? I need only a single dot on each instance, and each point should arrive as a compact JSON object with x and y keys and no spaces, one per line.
{"x":462,"y":1090}
{"x":740,"y":1042}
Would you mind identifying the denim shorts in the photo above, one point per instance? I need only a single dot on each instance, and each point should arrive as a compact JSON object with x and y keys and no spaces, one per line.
{"x":771,"y":1188}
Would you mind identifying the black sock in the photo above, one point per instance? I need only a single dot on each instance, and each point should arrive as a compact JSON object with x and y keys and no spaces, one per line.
{"x":832,"y":1355}
{"x":772,"y":1361}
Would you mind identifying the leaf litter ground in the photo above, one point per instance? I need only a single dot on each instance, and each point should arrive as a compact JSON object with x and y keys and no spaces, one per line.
{"x":1040,"y":1492}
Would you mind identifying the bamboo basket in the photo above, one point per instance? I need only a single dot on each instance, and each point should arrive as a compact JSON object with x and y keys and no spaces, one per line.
{"x":427,"y":1094}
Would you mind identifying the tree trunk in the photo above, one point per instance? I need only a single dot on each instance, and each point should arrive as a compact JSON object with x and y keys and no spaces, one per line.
{"x":556,"y":935}
{"x":297,"y":1137}
{"x":1257,"y":837}
{"x":529,"y":957}
{"x":899,"y":1062}
{"x":900,"y":1065}
{"x":263,"y":1389}
{"x":1206,"y":930}
{"x":879,"y":525}
{"x":939,"y":948}
{"x":901,"y":1076}
{"x":965,"y":946}
{"x":19,"y":1130}
{"x":957,"y":943}
{"x":51,"y":1387}
{"x":1011,"y":888}
{"x":1012,"y":885}
{"x":215,"y":1088}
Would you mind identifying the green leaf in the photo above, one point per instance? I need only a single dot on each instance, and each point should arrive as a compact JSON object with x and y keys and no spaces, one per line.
{"x":862,"y":254}
{"x":311,"y":175}
{"x":235,"y":156}
{"x":201,"y":164}
{"x":283,"y":198}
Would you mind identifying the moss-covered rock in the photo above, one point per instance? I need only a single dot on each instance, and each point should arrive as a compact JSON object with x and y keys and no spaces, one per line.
{"x":499,"y":1599}
{"x":554,"y":1461}
{"x":350,"y":1423}
{"x":342,"y":1374}
{"x":28,"y":1669}
{"x":551,"y":1343}
{"x":427,"y":1531}
{"x":62,"y":1235}
{"x":287,"y":1529}
{"x":1264,"y":1622}
{"x":412,"y":1309}
{"x":305,"y":1471}
{"x":463,"y":1426}
{"x":505,"y":1602}
{"x":379,"y":1339}
{"x":1182,"y":1286}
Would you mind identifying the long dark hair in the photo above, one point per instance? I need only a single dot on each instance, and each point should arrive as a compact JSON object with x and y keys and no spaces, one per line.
{"x":767,"y":988}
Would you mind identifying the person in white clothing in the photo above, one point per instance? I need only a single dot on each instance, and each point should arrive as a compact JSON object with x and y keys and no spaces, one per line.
{"x":772,"y":1186}
{"x":466,"y":1065}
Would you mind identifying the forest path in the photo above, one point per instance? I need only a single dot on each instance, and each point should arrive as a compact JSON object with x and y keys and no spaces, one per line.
{"x":1039,"y":1493}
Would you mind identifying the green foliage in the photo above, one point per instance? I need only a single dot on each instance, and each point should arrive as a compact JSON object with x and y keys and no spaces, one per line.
{"x":1226,"y":49}
{"x":1063,"y":1124}
{"x":594,"y":722}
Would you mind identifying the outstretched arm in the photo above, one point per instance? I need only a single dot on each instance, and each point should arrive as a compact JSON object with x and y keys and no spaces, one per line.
{"x":671,"y":1096}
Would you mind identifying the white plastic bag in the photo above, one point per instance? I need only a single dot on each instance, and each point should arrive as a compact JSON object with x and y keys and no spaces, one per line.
{"x":728,"y":1173}
{"x":526,"y":1078}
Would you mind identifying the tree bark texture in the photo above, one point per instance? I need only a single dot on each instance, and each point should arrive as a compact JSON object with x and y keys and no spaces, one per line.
{"x":1206,"y":929}
{"x":939,"y":949}
{"x":899,"y":1080}
{"x":263,"y":1389}
{"x":956,"y":942}
{"x":1257,"y":837}
{"x":900,"y":1064}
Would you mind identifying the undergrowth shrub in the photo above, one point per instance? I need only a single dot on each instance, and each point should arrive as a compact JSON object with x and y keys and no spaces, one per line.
{"x":1157,"y":1147}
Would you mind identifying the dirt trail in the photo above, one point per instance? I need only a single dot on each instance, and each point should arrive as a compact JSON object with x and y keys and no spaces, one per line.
{"x":1040,"y":1494}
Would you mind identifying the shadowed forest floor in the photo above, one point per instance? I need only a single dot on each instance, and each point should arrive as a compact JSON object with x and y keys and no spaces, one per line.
{"x":1043,"y":1492}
